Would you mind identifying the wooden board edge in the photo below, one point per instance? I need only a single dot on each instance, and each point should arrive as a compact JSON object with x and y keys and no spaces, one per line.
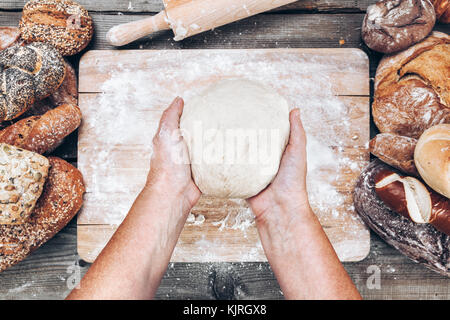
{"x":101,"y":234}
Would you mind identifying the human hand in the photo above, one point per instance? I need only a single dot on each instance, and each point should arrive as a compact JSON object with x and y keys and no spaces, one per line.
{"x":170,"y":171}
{"x":288,"y":189}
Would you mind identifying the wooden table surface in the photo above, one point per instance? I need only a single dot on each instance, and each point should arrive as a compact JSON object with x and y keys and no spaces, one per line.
{"x":48,"y":273}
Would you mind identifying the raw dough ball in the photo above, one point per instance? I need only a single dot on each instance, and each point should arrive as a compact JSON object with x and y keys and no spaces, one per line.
{"x":393,"y":25}
{"x":236,"y":133}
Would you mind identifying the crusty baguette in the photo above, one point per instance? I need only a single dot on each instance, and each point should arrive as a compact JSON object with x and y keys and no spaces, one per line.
{"x":42,"y":134}
{"x":60,"y":201}
{"x":432,"y":158}
{"x":395,"y":150}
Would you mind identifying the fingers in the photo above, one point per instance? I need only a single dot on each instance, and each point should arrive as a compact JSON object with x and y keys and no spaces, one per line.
{"x":170,"y":119}
{"x":297,"y":135}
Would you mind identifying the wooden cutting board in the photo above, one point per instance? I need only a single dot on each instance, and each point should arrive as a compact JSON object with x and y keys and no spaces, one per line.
{"x":123,"y":94}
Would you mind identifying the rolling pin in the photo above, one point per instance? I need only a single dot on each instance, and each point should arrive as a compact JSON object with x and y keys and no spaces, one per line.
{"x":189,"y":17}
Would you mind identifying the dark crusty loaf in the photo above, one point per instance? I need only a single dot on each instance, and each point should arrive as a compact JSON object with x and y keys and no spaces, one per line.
{"x":63,"y":23}
{"x":60,"y":201}
{"x":27,"y":74}
{"x":44,"y":133}
{"x":393,"y":25}
{"x":442,"y":8}
{"x":420,"y":242}
{"x":412,"y":90}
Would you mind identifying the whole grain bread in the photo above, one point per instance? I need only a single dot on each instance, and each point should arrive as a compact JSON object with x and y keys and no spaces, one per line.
{"x":22,"y":177}
{"x":60,"y":201}
{"x":63,"y":23}
{"x":28,"y":74}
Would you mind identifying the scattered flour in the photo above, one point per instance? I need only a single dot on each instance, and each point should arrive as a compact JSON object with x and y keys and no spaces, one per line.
{"x":304,"y":81}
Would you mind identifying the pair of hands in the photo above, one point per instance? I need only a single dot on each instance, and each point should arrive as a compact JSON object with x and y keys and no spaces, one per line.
{"x":288,"y":189}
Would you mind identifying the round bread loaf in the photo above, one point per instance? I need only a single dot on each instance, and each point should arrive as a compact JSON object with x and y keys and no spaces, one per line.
{"x":63,"y":23}
{"x":432,"y":158}
{"x":393,"y":25}
{"x":27,"y":74}
{"x":412,"y":91}
{"x":60,"y":201}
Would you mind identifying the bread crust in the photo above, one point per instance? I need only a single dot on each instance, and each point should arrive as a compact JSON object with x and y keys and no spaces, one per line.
{"x":432,"y":158}
{"x":42,"y":134}
{"x":61,"y":199}
{"x":27,"y":74}
{"x":63,"y":23}
{"x":412,"y":91}
{"x":395,"y":150}
{"x":420,"y":242}
{"x":8,"y":36}
{"x":393,"y":25}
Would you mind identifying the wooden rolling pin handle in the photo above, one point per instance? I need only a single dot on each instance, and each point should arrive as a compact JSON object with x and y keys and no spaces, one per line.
{"x":123,"y":34}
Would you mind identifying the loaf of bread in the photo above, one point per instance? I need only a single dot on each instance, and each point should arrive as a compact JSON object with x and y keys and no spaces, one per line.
{"x":67,"y":93}
{"x":422,"y":242}
{"x":22,"y":177}
{"x":8,"y":36}
{"x":412,"y":90}
{"x":27,"y":74}
{"x":432,"y":158}
{"x":442,"y":8}
{"x":395,"y":150}
{"x":60,"y":201}
{"x":412,"y":199}
{"x":42,"y":134}
{"x":63,"y":23}
{"x":393,"y":25}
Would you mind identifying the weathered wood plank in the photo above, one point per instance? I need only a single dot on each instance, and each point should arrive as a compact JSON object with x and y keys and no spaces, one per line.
{"x":140,"y":6}
{"x":45,"y":274}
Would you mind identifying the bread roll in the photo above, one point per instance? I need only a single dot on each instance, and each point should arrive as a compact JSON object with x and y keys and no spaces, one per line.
{"x":412,"y":199}
{"x":60,"y":201}
{"x":22,"y":177}
{"x":412,"y":91}
{"x":42,"y":134}
{"x":62,"y":23}
{"x":27,"y":74}
{"x":393,"y":25}
{"x":432,"y":158}
{"x":395,"y":150}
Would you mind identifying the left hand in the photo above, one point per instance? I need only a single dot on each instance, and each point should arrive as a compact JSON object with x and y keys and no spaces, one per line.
{"x":170,"y":170}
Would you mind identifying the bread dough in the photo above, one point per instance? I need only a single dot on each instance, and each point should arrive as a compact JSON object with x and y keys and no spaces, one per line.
{"x":236,"y":132}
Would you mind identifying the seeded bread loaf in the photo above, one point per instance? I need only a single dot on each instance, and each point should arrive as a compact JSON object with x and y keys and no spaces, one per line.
{"x":63,"y":23}
{"x":60,"y":201}
{"x":28,"y":74}
{"x":22,"y":177}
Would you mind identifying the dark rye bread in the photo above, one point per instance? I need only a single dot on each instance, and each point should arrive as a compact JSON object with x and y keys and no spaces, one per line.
{"x":419,"y":242}
{"x":63,"y":23}
{"x":60,"y":201}
{"x":28,"y":74}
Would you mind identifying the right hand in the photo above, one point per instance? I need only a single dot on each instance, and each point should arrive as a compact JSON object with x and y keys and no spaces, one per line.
{"x":288,"y":189}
